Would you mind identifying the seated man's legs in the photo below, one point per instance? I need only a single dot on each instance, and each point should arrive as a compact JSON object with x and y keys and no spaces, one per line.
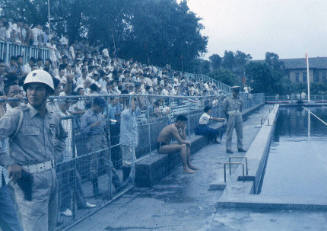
{"x":188,"y":151}
{"x":182,"y":149}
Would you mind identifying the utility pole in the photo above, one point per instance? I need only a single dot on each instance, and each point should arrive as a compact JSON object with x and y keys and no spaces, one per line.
{"x":308,"y":76}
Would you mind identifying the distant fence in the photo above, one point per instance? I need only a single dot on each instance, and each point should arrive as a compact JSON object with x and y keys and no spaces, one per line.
{"x":296,"y":98}
{"x":8,"y":49}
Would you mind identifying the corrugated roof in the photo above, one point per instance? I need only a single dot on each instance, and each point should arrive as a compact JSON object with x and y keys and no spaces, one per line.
{"x":316,"y":62}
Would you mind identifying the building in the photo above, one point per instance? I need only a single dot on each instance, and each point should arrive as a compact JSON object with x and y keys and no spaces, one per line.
{"x":297,"y":70}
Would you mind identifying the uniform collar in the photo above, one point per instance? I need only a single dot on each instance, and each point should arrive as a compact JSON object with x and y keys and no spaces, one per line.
{"x":33,"y":112}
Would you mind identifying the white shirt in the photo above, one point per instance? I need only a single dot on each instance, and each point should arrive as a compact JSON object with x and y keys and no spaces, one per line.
{"x":3,"y":171}
{"x":67,"y":126}
{"x":204,"y":119}
{"x":36,"y":32}
{"x":27,"y":68}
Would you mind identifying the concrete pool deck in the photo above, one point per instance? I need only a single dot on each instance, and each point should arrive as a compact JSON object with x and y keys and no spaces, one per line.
{"x":183,"y":202}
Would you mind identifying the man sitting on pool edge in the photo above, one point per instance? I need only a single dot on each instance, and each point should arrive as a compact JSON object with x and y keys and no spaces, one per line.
{"x":176,"y":131}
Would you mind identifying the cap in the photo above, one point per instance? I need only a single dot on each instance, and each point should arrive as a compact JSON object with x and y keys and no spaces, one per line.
{"x":235,"y":88}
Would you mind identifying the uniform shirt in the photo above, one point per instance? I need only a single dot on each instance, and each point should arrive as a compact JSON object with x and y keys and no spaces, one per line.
{"x":128,"y":128}
{"x":4,"y":144}
{"x":204,"y":119}
{"x":233,"y":104}
{"x":38,"y":139}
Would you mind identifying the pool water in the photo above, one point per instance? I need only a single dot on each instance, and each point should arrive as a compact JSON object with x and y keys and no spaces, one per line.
{"x":297,"y":162}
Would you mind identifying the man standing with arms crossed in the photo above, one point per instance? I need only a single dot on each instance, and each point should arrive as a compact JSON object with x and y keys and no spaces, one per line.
{"x":36,"y":138}
{"x":233,"y":107}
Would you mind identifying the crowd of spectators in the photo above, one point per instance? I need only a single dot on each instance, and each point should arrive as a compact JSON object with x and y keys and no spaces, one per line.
{"x":22,"y":34}
{"x":80,"y":69}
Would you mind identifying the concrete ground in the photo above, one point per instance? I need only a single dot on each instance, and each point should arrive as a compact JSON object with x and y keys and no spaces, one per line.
{"x":183,"y":202}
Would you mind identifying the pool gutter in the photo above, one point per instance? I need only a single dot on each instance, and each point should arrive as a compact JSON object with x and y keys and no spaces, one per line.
{"x":257,"y":154}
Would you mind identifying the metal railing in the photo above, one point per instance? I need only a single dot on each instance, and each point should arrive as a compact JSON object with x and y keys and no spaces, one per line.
{"x":91,"y":162}
{"x":9,"y":49}
{"x":296,"y":98}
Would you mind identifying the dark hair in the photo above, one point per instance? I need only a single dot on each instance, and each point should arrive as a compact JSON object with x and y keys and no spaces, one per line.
{"x":207,"y":108}
{"x":94,"y":87}
{"x":55,"y":82}
{"x":181,"y":118}
{"x":62,"y":66}
{"x":99,"y":101}
{"x":10,"y":83}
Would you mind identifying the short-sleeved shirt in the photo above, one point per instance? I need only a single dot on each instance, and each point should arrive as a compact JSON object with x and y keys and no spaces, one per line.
{"x":204,"y":119}
{"x":39,"y":139}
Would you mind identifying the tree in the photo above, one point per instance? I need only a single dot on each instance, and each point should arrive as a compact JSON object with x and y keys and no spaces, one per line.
{"x":240,"y":60}
{"x":269,"y":76}
{"x":215,"y":61}
{"x":225,"y":76}
{"x":228,"y":60}
{"x":200,"y":66}
{"x":260,"y":78}
{"x":167,"y":33}
{"x":156,"y":32}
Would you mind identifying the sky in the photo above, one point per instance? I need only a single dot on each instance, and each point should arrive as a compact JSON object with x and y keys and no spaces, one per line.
{"x":289,"y":28}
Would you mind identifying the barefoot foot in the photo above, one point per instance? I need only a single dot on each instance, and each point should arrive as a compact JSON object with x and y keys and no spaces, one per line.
{"x":193,"y":167}
{"x":188,"y":170}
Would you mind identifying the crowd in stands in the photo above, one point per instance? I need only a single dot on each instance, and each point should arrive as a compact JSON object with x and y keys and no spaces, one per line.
{"x":22,"y":34}
{"x":80,"y":69}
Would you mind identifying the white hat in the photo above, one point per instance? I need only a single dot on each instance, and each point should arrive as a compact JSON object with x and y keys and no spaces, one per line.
{"x":235,"y":88}
{"x":39,"y":76}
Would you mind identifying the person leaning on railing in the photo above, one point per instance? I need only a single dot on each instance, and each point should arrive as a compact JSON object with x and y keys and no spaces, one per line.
{"x":94,"y":127}
{"x":129,"y":137}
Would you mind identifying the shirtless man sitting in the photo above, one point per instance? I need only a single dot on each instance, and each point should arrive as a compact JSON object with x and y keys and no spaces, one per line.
{"x":177,"y":131}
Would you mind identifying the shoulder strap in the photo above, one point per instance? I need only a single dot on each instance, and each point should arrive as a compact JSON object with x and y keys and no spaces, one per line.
{"x":21,"y":117}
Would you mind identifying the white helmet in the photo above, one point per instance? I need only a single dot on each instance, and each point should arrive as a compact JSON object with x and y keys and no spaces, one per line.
{"x":39,"y":76}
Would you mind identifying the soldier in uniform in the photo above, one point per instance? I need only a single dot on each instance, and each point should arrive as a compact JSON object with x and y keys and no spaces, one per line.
{"x":232,"y":107}
{"x":36,"y":138}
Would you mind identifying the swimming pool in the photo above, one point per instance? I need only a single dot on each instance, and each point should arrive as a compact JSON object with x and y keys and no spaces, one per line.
{"x":297,"y":161}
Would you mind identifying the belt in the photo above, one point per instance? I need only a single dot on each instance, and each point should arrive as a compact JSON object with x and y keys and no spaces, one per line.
{"x":233,"y":112}
{"x":36,"y":168}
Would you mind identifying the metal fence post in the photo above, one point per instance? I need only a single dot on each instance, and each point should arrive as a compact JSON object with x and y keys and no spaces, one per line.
{"x":109,"y":154}
{"x":188,"y":120}
{"x":149,"y":124}
{"x":74,"y":198}
{"x":7,"y":54}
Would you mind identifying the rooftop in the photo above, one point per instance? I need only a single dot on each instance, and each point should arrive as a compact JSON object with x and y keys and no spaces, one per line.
{"x":299,"y":63}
